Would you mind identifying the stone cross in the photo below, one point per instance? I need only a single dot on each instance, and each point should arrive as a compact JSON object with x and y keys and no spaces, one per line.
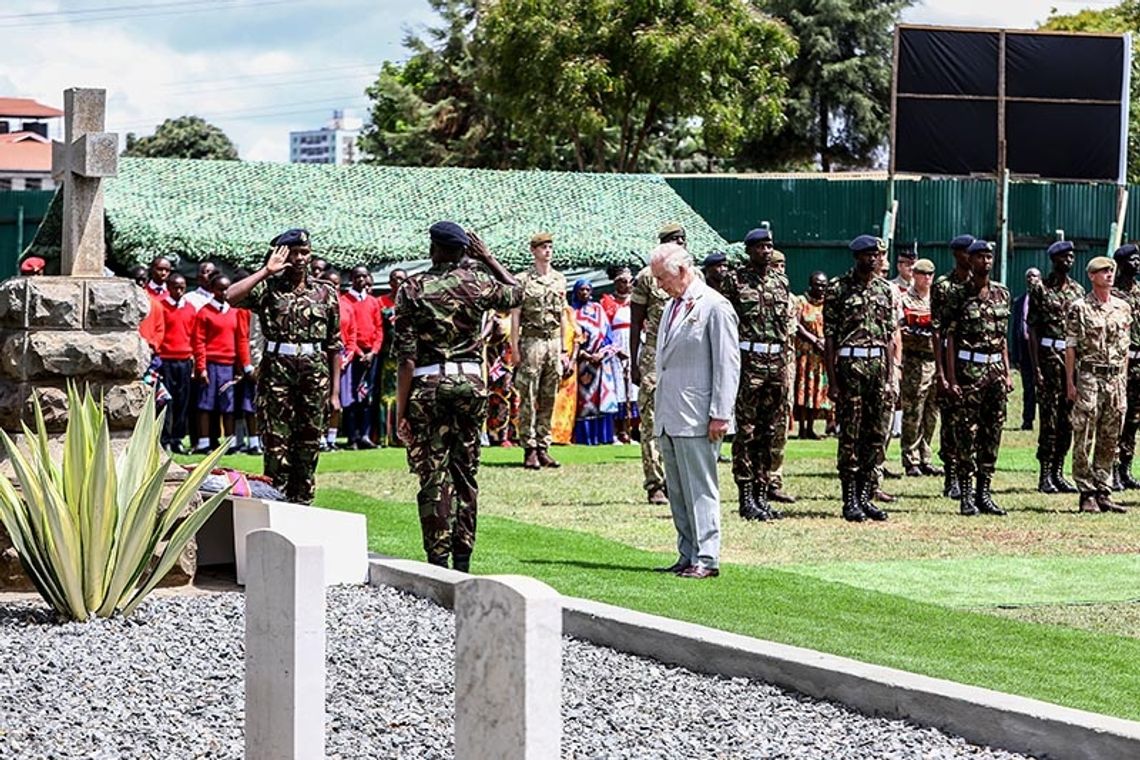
{"x":284,"y":649}
{"x":508,"y":669}
{"x":80,"y":163}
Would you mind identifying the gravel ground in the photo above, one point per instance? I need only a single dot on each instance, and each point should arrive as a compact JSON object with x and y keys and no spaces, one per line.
{"x":167,"y":683}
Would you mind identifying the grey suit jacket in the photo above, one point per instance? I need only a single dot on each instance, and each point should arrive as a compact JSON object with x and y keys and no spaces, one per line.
{"x":698,"y":364}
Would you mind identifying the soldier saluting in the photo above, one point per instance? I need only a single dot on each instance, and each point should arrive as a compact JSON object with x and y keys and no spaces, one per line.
{"x":441,"y":401}
{"x":299,"y":378}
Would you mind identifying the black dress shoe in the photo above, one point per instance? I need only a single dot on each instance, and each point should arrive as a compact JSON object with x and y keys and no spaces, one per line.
{"x":679,"y":566}
{"x":929,"y":469}
{"x":177,"y":448}
{"x":699,"y":573}
{"x":364,"y":443}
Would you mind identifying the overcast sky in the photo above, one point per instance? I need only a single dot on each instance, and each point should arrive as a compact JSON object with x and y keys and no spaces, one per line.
{"x":260,"y":68}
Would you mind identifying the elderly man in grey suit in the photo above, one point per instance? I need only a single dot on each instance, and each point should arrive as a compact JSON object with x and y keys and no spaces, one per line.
{"x":698,"y":369}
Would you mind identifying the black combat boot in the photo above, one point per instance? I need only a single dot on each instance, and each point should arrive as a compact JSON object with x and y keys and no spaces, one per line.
{"x":950,"y":487}
{"x":439,"y":560}
{"x":1117,"y":483}
{"x":870,"y":508}
{"x":1063,"y":486}
{"x":1045,"y":482}
{"x":748,"y":507}
{"x":966,"y":505}
{"x":762,"y":493}
{"x":983,"y":498}
{"x":1126,"y":474}
{"x":852,"y":511}
{"x":461,"y":562}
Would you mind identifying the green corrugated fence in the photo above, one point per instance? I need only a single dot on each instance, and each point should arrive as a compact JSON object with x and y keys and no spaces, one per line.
{"x":812,"y":219}
{"x":28,"y":206}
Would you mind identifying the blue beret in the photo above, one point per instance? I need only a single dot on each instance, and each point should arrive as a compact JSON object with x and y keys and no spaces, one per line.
{"x":449,"y":235}
{"x":962,"y":243}
{"x":759,"y":235}
{"x":1061,"y":246}
{"x":867,"y":243}
{"x":1125,"y":251}
{"x":714,"y":258}
{"x":291,"y":237}
{"x":980,"y":245}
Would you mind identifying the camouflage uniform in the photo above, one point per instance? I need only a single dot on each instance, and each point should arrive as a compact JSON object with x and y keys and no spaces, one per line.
{"x":439,"y":315}
{"x":1127,"y":447}
{"x":860,"y":316}
{"x":1048,"y":304}
{"x":763,"y":305}
{"x":540,"y":350}
{"x":918,"y":387}
{"x":1099,"y":334}
{"x":293,"y":389}
{"x":940,"y":293}
{"x":648,"y":294}
{"x":978,"y":326}
{"x":780,"y":439}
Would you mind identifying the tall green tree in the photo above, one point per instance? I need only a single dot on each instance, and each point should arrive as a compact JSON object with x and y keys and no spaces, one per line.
{"x":1124,"y":17}
{"x":184,"y":137}
{"x":613,"y":78}
{"x":430,"y":110}
{"x":838,"y":104}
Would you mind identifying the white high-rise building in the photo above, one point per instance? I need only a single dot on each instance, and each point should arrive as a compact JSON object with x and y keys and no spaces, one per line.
{"x":334,"y":143}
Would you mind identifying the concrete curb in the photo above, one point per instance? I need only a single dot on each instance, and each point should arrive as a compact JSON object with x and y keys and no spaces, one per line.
{"x":981,"y":716}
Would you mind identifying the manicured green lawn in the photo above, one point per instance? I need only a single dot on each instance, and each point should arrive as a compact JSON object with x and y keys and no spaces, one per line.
{"x":1063,"y":665}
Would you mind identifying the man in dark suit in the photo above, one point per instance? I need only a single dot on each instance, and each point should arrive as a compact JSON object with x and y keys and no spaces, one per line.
{"x":1019,"y":349}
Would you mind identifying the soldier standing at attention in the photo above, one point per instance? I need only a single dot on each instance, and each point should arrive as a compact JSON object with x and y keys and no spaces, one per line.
{"x":299,"y":377}
{"x":777,"y":263}
{"x":977,"y":320}
{"x":646,"y":306}
{"x":919,"y":390}
{"x":1048,"y":305}
{"x":1127,"y":258}
{"x":860,"y":325}
{"x":762,"y":301}
{"x":904,"y":262}
{"x":441,"y":401}
{"x":536,"y":339}
{"x":1097,"y":329}
{"x":940,"y":294}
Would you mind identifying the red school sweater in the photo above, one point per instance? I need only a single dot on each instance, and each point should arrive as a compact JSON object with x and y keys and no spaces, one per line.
{"x":178,"y":330}
{"x":215,"y":336}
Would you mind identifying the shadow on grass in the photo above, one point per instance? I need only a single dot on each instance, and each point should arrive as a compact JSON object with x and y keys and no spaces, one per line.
{"x":589,"y":565}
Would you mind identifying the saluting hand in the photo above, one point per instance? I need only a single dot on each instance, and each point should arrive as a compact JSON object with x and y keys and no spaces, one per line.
{"x":477,"y":250}
{"x":278,"y":260}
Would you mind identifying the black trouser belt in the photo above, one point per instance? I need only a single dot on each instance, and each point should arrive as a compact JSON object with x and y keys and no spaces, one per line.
{"x":1100,"y":370}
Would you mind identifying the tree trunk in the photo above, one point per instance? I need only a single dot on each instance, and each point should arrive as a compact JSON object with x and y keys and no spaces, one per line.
{"x":824,"y":130}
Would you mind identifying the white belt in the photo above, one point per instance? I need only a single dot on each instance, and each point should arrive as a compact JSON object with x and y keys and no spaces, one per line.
{"x":449,"y":368}
{"x":860,"y":352}
{"x":970,"y":356}
{"x":291,"y":349}
{"x":1056,"y":343}
{"x":1134,"y":354}
{"x":761,"y":348}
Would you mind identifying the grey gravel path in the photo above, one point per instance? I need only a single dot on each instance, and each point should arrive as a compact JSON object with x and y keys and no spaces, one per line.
{"x":168,"y":684}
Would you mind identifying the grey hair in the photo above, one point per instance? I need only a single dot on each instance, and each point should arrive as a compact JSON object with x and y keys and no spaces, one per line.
{"x":1033,"y":270}
{"x":671,"y":257}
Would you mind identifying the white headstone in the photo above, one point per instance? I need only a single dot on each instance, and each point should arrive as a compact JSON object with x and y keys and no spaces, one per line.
{"x":508,"y":669}
{"x":284,"y":649}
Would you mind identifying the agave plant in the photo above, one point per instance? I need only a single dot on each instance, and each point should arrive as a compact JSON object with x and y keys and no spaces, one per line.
{"x":86,"y":530}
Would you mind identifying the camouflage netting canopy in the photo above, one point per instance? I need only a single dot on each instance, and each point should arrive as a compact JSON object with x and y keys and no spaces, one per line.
{"x":228,"y":211}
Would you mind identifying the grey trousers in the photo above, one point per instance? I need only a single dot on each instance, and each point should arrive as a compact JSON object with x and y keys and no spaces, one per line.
{"x":694,"y":496}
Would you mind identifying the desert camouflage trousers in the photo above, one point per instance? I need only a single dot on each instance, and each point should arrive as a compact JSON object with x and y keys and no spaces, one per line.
{"x":1055,"y":409}
{"x":761,"y":416}
{"x":1097,"y":418}
{"x":292,"y":402}
{"x":862,"y":414}
{"x":446,"y":414}
{"x":920,"y":409}
{"x":978,"y":419}
{"x":1127,"y":447}
{"x":651,"y":464}
{"x":537,"y":378}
